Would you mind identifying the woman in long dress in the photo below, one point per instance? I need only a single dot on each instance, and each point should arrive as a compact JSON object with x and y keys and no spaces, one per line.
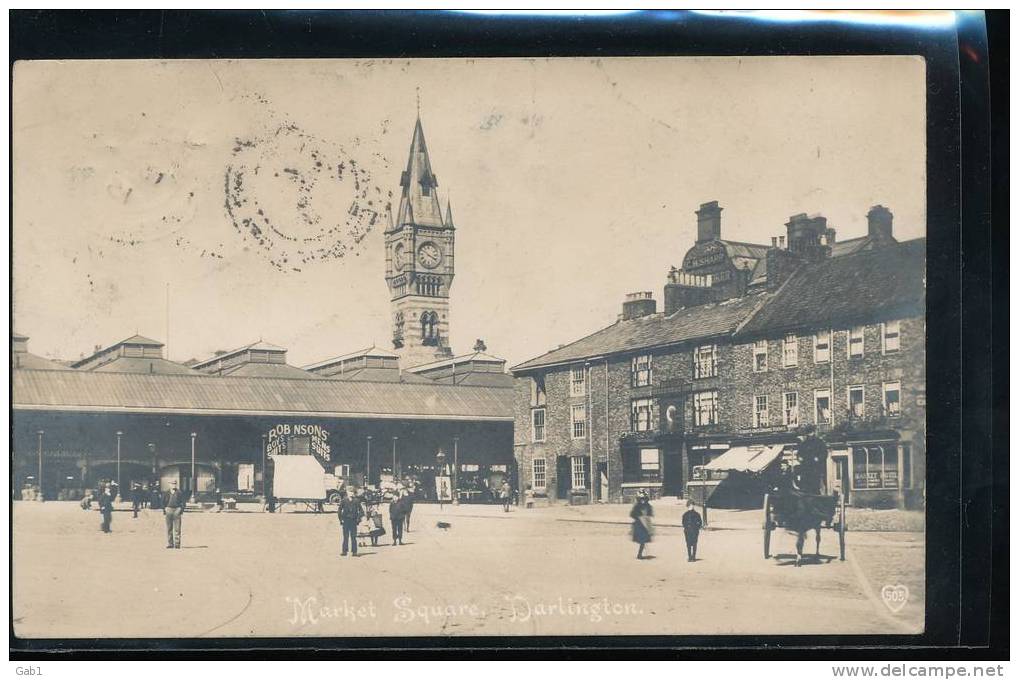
{"x":641,"y":514}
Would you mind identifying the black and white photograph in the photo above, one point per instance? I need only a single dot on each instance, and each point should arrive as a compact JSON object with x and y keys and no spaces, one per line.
{"x":464,"y":347}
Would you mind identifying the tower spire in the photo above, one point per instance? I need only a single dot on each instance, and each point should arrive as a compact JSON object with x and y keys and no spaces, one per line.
{"x":419,"y":201}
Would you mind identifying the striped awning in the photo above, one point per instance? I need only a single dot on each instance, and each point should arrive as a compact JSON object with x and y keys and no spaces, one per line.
{"x":752,"y":459}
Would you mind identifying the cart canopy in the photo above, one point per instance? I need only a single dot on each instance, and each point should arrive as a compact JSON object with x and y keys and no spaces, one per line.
{"x":752,"y":459}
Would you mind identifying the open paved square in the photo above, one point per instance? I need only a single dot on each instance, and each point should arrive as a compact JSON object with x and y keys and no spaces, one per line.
{"x":547,"y":571}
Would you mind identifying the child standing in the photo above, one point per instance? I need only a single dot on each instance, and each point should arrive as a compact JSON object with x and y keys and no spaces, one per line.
{"x":691,"y":528}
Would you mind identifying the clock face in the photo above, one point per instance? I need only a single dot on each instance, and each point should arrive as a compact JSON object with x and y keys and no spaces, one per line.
{"x":398,"y":256}
{"x":429,"y":255}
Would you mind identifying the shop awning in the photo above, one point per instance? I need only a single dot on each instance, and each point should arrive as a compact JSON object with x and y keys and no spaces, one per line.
{"x":746,"y":458}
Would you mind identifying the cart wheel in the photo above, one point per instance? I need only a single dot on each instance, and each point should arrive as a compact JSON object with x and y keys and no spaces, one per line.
{"x":767,"y":526}
{"x":842,"y":527}
{"x":334,"y":497}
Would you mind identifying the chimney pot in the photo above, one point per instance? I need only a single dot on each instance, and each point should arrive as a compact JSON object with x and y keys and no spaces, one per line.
{"x":781,"y":242}
{"x":774,"y":241}
{"x":879,"y":222}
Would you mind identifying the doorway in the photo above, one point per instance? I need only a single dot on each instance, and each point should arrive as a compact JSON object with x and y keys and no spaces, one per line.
{"x":672,"y":474}
{"x":563,"y":479}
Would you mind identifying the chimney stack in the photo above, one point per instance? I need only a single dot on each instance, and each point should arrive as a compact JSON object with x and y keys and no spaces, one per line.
{"x":636,"y":305}
{"x":709,"y":222}
{"x":879,"y":223}
{"x":774,"y":241}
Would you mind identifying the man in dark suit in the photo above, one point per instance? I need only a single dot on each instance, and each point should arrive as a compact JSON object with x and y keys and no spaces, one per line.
{"x":398,"y":516}
{"x":106,"y":508}
{"x":173,"y":510}
{"x":350,"y":513}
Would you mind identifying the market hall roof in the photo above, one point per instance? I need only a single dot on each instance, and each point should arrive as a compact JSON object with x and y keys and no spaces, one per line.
{"x":883,"y":283}
{"x":88,"y":391}
{"x":655,"y":330}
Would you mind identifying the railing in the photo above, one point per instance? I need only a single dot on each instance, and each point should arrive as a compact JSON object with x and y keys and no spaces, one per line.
{"x":683,"y":278}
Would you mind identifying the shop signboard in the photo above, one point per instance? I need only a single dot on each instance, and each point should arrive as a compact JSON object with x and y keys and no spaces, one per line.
{"x":292,"y":438}
{"x":443,"y":489}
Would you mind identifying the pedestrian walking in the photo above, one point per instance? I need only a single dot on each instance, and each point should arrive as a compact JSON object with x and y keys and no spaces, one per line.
{"x":349,"y":513}
{"x":642,"y":529}
{"x":106,"y":508}
{"x":408,"y":507}
{"x":692,"y":524}
{"x":173,"y":511}
{"x":136,"y":499}
{"x":397,"y":518}
{"x":506,"y":495}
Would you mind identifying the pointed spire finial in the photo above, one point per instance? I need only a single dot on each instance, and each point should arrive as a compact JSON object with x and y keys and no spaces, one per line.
{"x":418,"y":92}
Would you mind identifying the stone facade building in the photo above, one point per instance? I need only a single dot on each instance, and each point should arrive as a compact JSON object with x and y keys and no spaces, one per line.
{"x":739,"y":359}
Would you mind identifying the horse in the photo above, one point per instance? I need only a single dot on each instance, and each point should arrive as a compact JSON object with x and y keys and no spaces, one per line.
{"x":801,"y":512}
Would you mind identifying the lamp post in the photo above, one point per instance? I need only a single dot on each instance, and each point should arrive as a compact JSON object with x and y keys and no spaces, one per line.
{"x":263,"y":467}
{"x":40,"y":433}
{"x":394,"y":458}
{"x":194,"y":488}
{"x":368,"y":463}
{"x":456,"y":471}
{"x":119,"y":480}
{"x":440,"y":460}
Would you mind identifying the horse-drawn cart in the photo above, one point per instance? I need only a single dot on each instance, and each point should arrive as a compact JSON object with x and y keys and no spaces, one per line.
{"x":788,"y":508}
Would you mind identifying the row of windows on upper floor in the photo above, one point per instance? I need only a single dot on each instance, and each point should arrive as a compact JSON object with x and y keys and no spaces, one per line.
{"x":705,"y":358}
{"x":644,"y":412}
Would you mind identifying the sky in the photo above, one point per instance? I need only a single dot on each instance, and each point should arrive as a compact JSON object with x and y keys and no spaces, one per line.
{"x":245,"y":200}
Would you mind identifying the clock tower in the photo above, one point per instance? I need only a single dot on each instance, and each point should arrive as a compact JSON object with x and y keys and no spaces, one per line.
{"x":419,"y":262}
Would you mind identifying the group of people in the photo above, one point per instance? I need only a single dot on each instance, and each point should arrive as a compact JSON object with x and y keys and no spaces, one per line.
{"x":642,"y":527}
{"x":360,"y":516}
{"x":172,"y":502}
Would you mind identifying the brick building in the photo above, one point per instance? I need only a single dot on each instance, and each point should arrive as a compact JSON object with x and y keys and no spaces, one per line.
{"x":732,"y":364}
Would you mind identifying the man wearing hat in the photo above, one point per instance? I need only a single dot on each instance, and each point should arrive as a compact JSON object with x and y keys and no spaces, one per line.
{"x":173,"y":510}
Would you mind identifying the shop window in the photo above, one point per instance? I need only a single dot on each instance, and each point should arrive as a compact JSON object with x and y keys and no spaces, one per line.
{"x":790,"y":350}
{"x":876,"y":467}
{"x":705,"y":361}
{"x":538,"y":424}
{"x":791,"y":409}
{"x":892,"y":399}
{"x":855,"y":344}
{"x":889,"y":337}
{"x":538,"y":474}
{"x":578,"y":384}
{"x":760,"y":356}
{"x":640,"y":371}
{"x":761,"y":411}
{"x":822,"y":347}
{"x":470,"y":467}
{"x":579,"y":419}
{"x":643,"y":415}
{"x":822,"y":407}
{"x":579,"y":471}
{"x":705,"y":408}
{"x":855,"y":400}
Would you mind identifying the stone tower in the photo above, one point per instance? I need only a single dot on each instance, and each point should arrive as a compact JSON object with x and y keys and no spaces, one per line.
{"x":419,"y":262}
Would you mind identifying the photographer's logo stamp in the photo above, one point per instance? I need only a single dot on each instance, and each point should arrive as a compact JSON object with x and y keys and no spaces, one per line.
{"x":895,"y":597}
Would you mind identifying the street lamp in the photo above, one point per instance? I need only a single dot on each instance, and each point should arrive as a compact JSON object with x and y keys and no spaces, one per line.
{"x":194,"y":488}
{"x":456,"y":471}
{"x":263,"y":466}
{"x":40,"y":433}
{"x":368,"y":463}
{"x":394,"y":458}
{"x":119,"y":480}
{"x":440,"y":460}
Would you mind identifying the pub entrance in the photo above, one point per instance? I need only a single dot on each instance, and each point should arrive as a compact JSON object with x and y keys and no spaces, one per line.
{"x":672,"y":473}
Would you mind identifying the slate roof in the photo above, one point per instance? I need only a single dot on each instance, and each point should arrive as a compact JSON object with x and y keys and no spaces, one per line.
{"x":684,"y":325}
{"x":260,"y":370}
{"x":377,"y":374}
{"x":871,"y":285}
{"x":143,"y":365}
{"x":91,"y":391}
{"x":28,"y":360}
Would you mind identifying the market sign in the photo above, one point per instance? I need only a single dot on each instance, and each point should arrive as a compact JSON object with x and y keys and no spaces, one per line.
{"x":280,"y":438}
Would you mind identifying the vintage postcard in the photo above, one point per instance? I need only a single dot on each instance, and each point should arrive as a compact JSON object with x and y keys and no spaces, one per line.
{"x":469,"y":347}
